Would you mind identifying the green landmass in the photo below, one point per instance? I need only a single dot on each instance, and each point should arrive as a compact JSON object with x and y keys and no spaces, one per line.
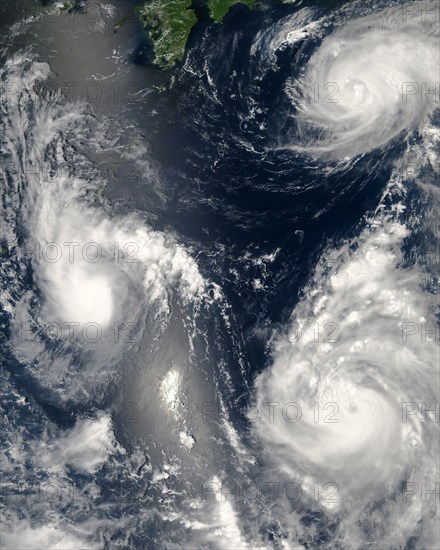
{"x":219,"y":8}
{"x":169,"y":23}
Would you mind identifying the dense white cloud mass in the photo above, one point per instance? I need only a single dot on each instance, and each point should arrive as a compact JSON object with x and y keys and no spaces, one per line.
{"x":85,"y":448}
{"x":344,"y":402}
{"x":370,"y":79}
{"x":350,"y":359}
{"x":93,"y":270}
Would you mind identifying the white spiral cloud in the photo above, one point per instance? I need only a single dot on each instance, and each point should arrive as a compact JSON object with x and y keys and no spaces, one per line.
{"x":368,"y":81}
{"x":91,"y":269}
{"x":340,"y":378}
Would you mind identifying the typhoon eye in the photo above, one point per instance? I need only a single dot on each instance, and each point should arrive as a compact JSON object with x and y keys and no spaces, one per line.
{"x":371,"y":63}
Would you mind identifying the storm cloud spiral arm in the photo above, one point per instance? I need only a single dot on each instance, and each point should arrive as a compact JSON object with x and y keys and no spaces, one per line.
{"x":235,"y":343}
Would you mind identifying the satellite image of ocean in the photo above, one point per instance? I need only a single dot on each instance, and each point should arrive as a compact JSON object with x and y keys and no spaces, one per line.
{"x":219,"y":301}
